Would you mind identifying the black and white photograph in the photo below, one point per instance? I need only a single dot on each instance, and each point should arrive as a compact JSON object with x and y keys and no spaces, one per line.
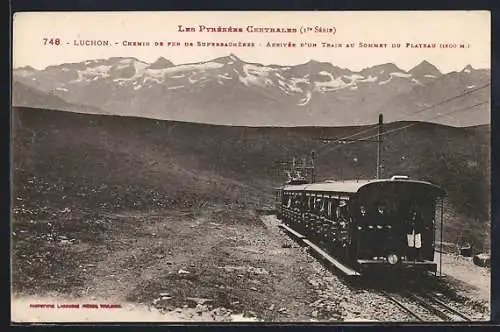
{"x":224,"y":167}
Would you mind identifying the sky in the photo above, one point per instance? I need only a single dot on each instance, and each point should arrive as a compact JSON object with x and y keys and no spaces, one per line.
{"x":32,"y":33}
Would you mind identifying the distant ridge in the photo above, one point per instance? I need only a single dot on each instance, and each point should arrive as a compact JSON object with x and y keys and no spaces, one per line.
{"x":228,"y":90}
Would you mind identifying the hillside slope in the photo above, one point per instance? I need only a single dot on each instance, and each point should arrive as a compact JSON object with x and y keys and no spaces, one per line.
{"x":26,"y":96}
{"x":107,"y":163}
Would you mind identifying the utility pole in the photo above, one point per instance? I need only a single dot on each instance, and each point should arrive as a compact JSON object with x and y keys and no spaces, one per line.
{"x":379,"y":144}
{"x":313,"y":176}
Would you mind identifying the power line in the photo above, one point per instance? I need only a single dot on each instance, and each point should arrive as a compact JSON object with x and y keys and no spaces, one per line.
{"x":361,"y":132}
{"x":408,"y":126}
{"x":348,"y":137}
{"x":445,"y":101}
{"x":410,"y":114}
{"x":380,"y":135}
{"x":414,"y":124}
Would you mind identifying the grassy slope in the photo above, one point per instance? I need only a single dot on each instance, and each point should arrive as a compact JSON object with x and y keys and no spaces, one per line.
{"x":110,"y":163}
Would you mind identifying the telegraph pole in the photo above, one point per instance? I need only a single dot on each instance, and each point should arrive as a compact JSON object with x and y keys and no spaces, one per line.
{"x":313,"y":176}
{"x":379,"y":144}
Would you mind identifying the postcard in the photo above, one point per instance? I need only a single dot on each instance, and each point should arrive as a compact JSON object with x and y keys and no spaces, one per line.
{"x":254,"y":166}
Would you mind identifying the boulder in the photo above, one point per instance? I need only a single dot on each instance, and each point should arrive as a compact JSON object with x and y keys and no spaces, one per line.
{"x":483,"y":260}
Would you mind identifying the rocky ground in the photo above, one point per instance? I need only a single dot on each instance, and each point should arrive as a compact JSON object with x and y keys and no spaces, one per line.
{"x":213,"y":264}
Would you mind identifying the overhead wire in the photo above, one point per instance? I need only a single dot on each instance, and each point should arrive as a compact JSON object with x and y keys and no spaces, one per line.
{"x":417,"y":123}
{"x":407,"y":115}
{"x":444,"y":101}
{"x":421,"y":111}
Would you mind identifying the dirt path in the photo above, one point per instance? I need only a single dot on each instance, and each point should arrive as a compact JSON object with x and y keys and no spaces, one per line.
{"x":211,"y":265}
{"x":468,"y":279}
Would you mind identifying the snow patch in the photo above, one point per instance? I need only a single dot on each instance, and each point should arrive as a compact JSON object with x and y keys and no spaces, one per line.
{"x":466,"y":70}
{"x":400,"y":74}
{"x":191,"y":79}
{"x":175,"y":87}
{"x":93,"y":73}
{"x":306,"y":99}
{"x":140,"y":68}
{"x":292,"y":86}
{"x":257,"y":75}
{"x":156,"y":75}
{"x":137,"y":87}
{"x":225,"y":76}
{"x":334,"y":83}
{"x":256,"y":70}
{"x":355,"y":87}
{"x":386,"y":81}
{"x":193,"y":67}
{"x":296,"y":80}
{"x":369,"y":79}
{"x":429,"y":76}
{"x":355,"y":77}
{"x":284,"y":86}
{"x":284,"y":90}
{"x":470,"y":86}
{"x":61,"y":89}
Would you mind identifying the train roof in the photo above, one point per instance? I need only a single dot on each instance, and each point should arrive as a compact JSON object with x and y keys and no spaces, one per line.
{"x":353,"y":186}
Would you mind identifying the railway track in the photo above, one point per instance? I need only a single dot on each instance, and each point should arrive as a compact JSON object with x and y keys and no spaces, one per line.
{"x":425,"y":308}
{"x":422,"y":308}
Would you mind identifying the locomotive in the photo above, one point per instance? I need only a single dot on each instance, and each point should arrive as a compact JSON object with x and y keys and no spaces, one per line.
{"x":366,"y":223}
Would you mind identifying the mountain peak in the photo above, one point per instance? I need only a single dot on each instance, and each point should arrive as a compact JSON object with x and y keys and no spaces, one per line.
{"x":228,"y":59}
{"x":383,"y":69}
{"x":425,"y":68}
{"x":122,"y":58}
{"x":389,"y":66}
{"x":467,"y":69}
{"x":28,"y":68}
{"x":161,"y":63}
{"x":313,"y":62}
{"x":233,"y":57}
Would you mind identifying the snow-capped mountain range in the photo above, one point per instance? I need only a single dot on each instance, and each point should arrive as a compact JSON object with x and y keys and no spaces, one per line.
{"x":227,"y":90}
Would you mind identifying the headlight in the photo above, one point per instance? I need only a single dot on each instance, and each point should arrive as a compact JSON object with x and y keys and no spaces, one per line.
{"x":392,"y":259}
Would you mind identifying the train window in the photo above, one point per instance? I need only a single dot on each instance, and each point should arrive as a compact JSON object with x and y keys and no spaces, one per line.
{"x":322,"y":209}
{"x":333,"y":208}
{"x":317,"y":205}
{"x":289,"y":205}
{"x":330,"y":208}
{"x":297,"y":202}
{"x":342,"y":211}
